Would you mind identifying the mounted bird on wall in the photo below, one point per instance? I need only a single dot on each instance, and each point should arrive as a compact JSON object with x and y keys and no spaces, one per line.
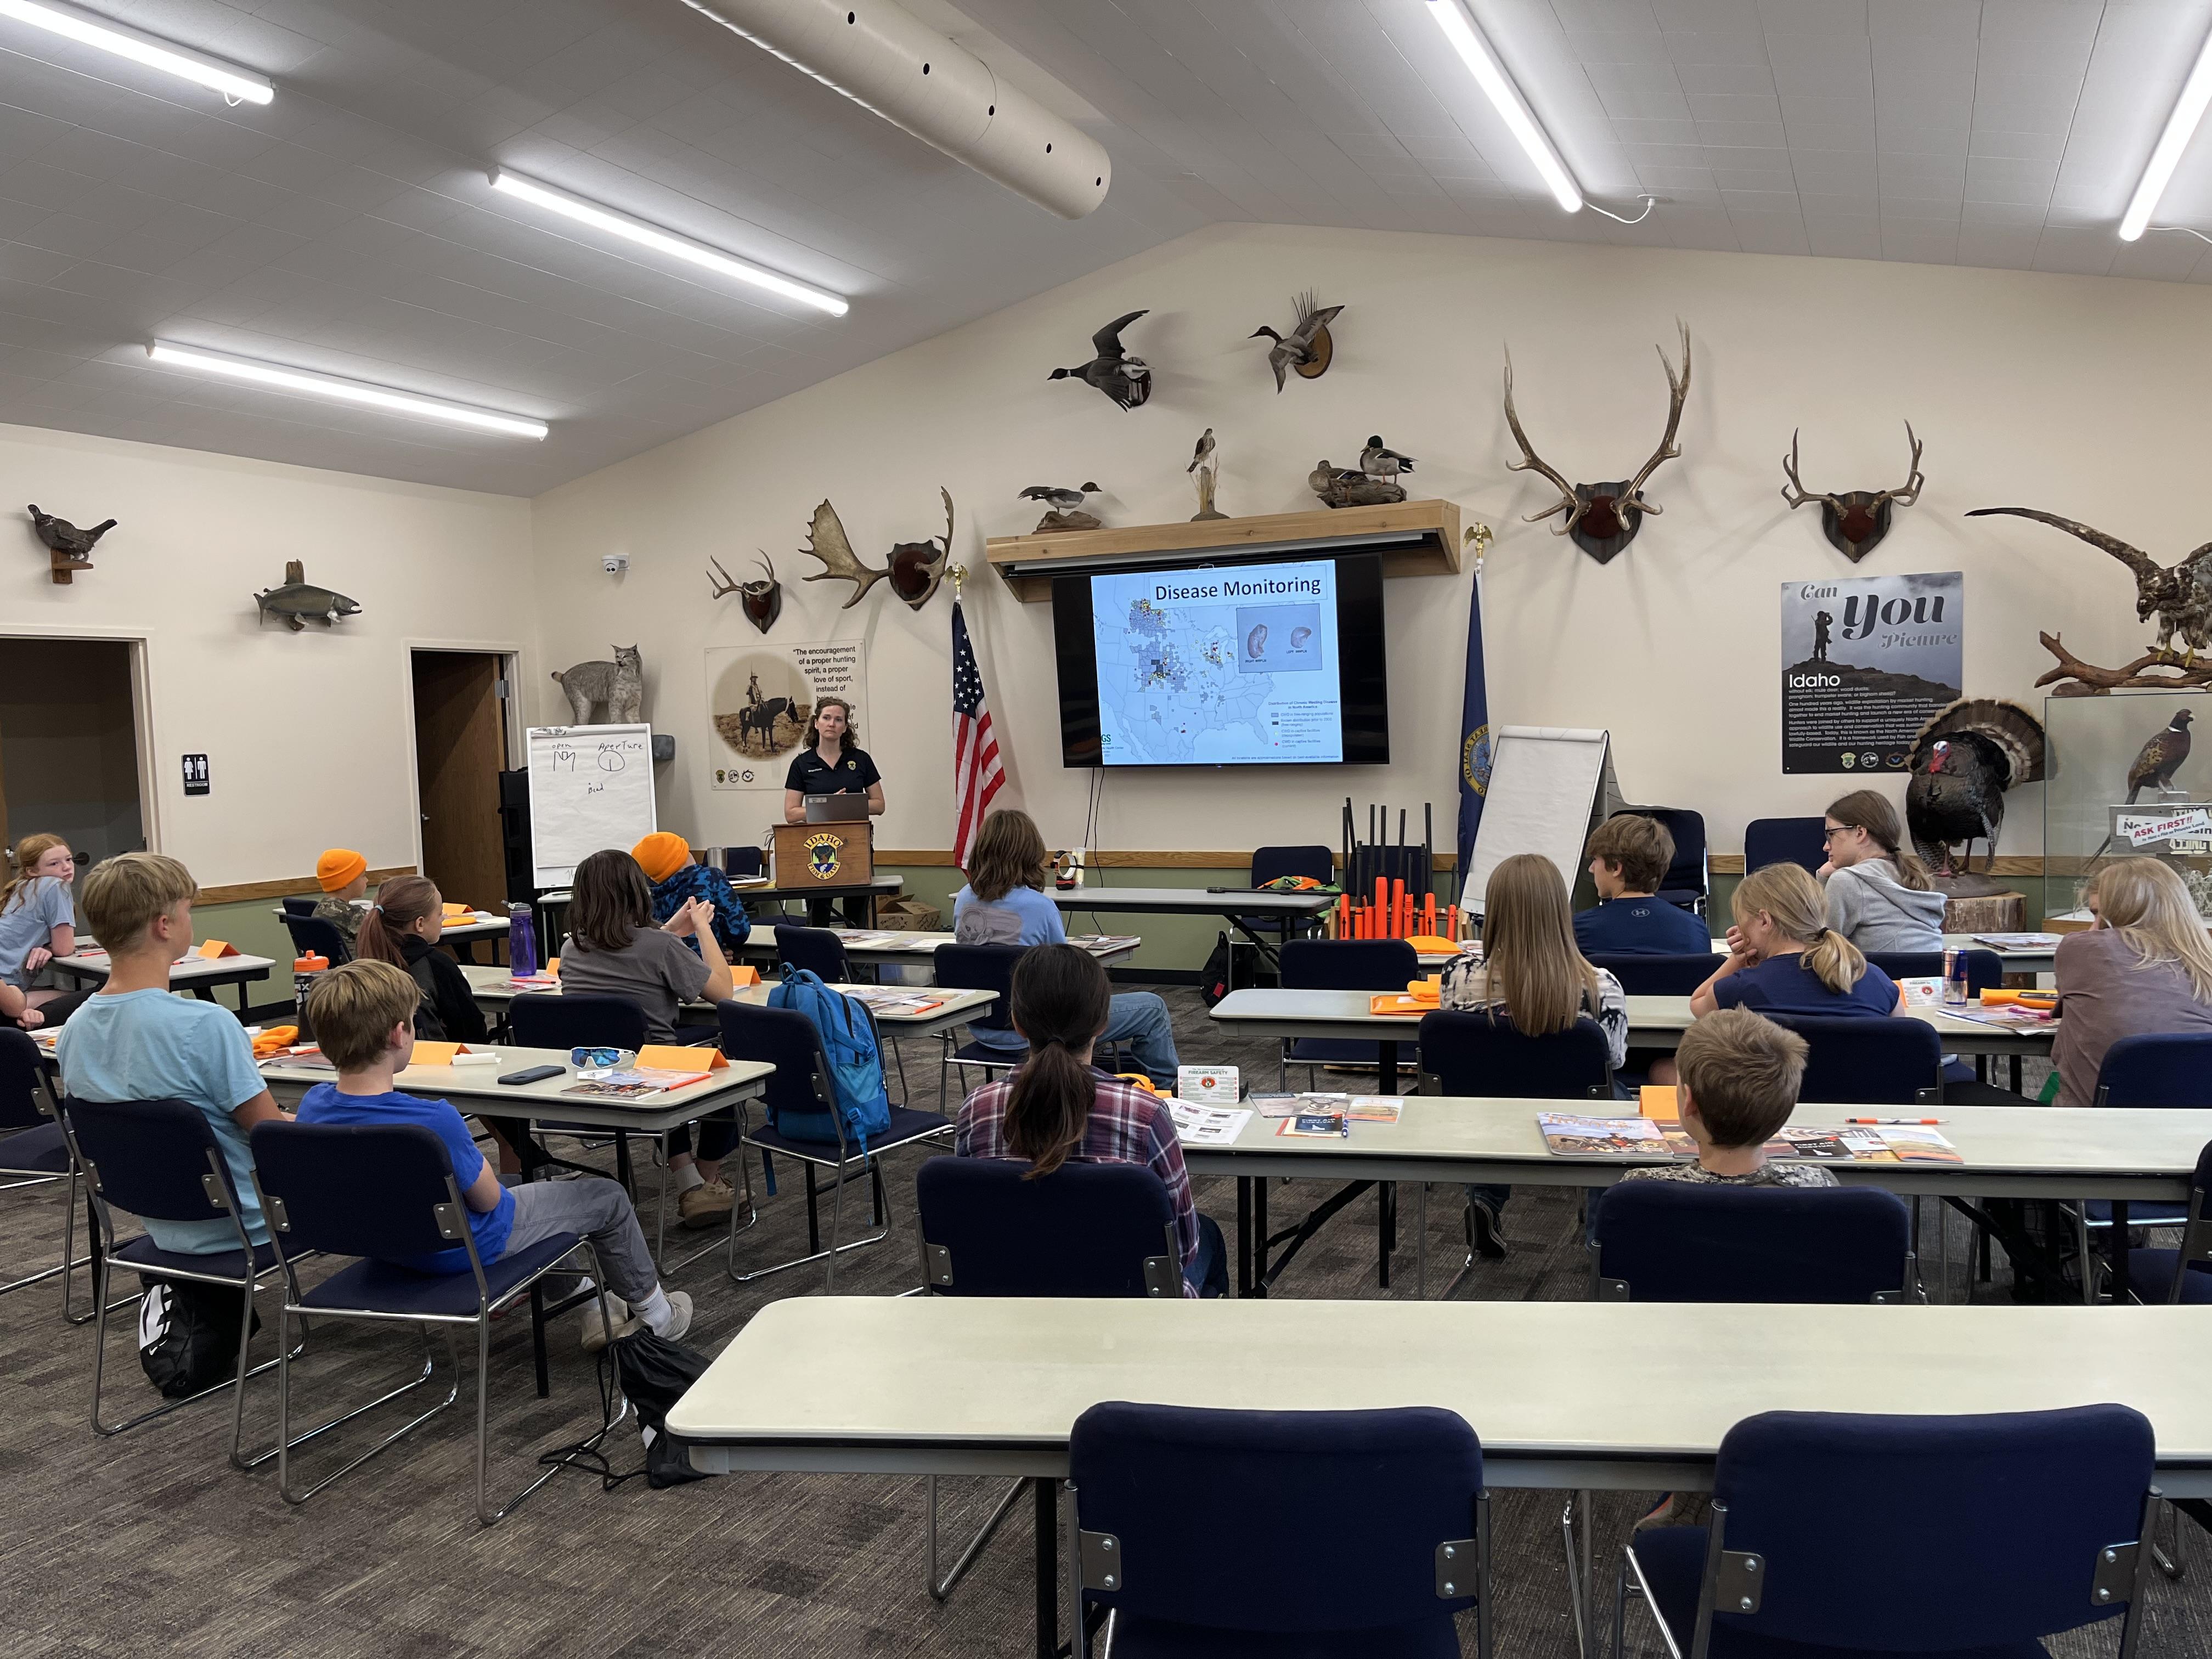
{"x":70,"y":548}
{"x":1854,"y":522}
{"x":1308,"y":348}
{"x":2180,"y":598}
{"x":1962,"y":762}
{"x":1063,"y":507}
{"x":1127,"y":379}
{"x":760,"y":601}
{"x":1602,"y":519}
{"x":914,"y":569}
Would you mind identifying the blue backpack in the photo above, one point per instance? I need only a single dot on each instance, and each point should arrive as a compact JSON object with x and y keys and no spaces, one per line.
{"x":856,"y":1064}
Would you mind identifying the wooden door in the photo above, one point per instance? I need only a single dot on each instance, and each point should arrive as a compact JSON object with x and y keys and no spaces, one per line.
{"x":460,"y":748}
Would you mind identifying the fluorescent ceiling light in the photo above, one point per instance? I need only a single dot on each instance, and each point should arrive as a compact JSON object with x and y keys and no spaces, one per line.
{"x":511,"y":183}
{"x":237,"y":85}
{"x":2180,"y":128}
{"x":343,"y":390}
{"x":1498,"y":86}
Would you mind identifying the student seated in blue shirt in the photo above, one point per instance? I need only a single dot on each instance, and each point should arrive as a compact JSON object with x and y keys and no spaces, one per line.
{"x":136,"y":1042}
{"x":363,"y":1014}
{"x":1628,"y":858}
{"x":1783,"y":958}
{"x":1005,"y":903}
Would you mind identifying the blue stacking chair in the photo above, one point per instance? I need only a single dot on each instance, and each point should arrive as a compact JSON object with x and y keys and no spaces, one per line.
{"x":1680,"y":1240}
{"x":2162,"y":1069}
{"x":978,"y":967}
{"x":158,"y":1160}
{"x":741,"y":862}
{"x":799,"y":1103}
{"x":1658,"y":976}
{"x":1885,"y":1059}
{"x":1187,"y":1521}
{"x":988,"y":1228}
{"x":313,"y":936}
{"x":1341,"y":964}
{"x":1850,"y":1537}
{"x":1272,"y":864}
{"x":817,"y":950}
{"x":34,"y":1152}
{"x":1785,"y":841}
{"x":1688,"y":880}
{"x":2183,"y":1275}
{"x":298,"y":907}
{"x":380,"y":1191}
{"x":1475,"y":1052}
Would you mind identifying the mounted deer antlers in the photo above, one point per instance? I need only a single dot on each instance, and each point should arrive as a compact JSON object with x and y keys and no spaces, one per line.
{"x":1855,"y":521}
{"x":1603,"y":518}
{"x":762,"y":601}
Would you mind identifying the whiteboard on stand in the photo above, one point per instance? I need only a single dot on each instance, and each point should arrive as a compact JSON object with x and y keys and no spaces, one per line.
{"x":591,"y":788}
{"x":1547,"y":783}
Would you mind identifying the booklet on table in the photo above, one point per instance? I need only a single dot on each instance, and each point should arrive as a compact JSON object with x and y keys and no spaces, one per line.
{"x":1207,"y":1126}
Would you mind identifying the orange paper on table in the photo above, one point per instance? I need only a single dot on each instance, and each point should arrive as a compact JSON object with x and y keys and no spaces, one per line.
{"x":743,"y":974}
{"x":454,"y":911}
{"x":1400,"y":1002}
{"x":438,"y":1053}
{"x":673,"y":1057}
{"x":1432,"y":945}
{"x":1659,"y":1101}
{"x":212,"y":948}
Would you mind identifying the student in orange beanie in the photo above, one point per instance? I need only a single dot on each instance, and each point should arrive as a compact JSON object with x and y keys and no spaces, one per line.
{"x":343,"y":874}
{"x":667,"y":860}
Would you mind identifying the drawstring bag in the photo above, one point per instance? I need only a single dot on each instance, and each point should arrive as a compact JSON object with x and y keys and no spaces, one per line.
{"x":653,"y":1373}
{"x":188,"y":1335}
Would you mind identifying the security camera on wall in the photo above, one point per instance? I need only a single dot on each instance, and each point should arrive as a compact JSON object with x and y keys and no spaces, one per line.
{"x":615,"y":564}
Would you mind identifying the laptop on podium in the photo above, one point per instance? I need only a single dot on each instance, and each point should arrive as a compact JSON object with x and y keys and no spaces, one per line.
{"x":836,"y":809}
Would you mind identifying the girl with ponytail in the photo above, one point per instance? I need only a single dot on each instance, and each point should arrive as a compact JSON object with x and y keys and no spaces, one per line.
{"x":1785,"y":958}
{"x":1879,"y":897}
{"x":1059,"y":1108}
{"x":403,"y":928}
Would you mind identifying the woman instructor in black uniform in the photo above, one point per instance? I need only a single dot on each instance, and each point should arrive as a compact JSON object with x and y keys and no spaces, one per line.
{"x":832,"y":763}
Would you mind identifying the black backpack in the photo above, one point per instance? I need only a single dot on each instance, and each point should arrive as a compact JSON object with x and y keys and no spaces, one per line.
{"x":188,"y":1335}
{"x":654,"y":1373}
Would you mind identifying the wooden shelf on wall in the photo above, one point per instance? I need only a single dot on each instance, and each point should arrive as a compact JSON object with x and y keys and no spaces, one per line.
{"x":1415,"y":538}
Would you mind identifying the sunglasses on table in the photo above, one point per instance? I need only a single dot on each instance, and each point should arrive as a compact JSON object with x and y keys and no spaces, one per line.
{"x":595,"y":1059}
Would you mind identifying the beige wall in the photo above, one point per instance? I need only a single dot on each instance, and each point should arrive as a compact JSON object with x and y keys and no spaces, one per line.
{"x":2077,"y":395}
{"x":309,"y":735}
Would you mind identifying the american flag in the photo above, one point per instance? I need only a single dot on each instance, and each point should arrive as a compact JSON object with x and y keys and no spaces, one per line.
{"x":976,"y":774}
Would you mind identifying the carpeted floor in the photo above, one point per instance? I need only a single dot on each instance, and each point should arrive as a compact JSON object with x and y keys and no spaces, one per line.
{"x":149,"y":1543}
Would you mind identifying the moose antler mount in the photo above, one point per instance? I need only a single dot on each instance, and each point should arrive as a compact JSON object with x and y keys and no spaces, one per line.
{"x":1856,"y":521}
{"x":1602,"y":519}
{"x":914,"y":570}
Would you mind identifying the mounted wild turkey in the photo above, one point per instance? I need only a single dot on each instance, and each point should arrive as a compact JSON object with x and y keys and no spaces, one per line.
{"x":1963,"y":761}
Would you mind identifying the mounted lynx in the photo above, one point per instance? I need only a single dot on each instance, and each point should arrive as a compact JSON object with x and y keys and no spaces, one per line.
{"x":618,"y":686}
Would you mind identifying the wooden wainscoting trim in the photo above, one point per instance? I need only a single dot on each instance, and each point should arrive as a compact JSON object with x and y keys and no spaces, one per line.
{"x":241,"y":892}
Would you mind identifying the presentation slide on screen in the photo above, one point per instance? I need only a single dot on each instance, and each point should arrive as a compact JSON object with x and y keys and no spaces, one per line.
{"x":1219,"y":667}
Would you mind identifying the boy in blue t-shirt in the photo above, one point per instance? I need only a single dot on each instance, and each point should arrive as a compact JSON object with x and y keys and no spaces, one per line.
{"x":1628,"y":858}
{"x":363,"y":1014}
{"x":134,"y":1040}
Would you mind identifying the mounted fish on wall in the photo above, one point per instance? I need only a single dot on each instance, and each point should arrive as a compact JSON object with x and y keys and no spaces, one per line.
{"x":760,"y":601}
{"x":1854,"y":522}
{"x":913,"y":571}
{"x":299,"y":599}
{"x":1602,"y":519}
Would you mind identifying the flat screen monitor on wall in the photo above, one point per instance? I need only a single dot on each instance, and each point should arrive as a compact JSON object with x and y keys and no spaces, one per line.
{"x":1260,"y":664}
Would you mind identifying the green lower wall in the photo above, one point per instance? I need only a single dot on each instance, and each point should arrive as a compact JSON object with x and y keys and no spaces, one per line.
{"x":254,"y":930}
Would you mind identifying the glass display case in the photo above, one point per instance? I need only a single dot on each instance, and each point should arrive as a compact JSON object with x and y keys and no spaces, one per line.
{"x":2096,"y":744}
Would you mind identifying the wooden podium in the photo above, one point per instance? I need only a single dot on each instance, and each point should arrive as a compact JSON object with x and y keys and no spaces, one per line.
{"x":828,"y":856}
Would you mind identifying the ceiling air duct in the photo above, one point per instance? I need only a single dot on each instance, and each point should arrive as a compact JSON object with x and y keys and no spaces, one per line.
{"x":886,"y":61}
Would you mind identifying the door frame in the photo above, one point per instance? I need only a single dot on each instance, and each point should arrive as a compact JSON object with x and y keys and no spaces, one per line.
{"x":141,"y":644}
{"x":510,"y":656}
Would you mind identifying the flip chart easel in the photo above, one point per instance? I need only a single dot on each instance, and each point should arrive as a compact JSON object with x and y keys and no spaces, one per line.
{"x":1549,"y":786}
{"x":591,"y":788}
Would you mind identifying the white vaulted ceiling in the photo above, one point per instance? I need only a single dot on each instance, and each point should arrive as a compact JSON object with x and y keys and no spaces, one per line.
{"x":349,"y":226}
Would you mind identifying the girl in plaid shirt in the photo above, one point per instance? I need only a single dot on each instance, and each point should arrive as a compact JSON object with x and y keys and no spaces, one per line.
{"x":1059,"y":1106}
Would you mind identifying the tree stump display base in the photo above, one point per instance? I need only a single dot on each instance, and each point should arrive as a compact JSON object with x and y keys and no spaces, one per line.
{"x":1986,"y":913}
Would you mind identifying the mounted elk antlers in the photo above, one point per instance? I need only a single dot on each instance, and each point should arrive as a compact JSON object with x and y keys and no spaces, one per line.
{"x":762,"y":602}
{"x":1602,"y":519}
{"x":1856,"y":521}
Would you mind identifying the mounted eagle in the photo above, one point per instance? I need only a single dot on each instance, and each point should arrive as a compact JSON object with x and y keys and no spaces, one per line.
{"x":1963,"y":761}
{"x":2181,"y":598}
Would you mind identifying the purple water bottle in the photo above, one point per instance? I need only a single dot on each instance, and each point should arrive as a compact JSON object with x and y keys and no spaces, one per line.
{"x":521,"y":942}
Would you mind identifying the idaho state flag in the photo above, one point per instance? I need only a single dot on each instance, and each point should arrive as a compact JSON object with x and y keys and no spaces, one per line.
{"x":1474,"y":726}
